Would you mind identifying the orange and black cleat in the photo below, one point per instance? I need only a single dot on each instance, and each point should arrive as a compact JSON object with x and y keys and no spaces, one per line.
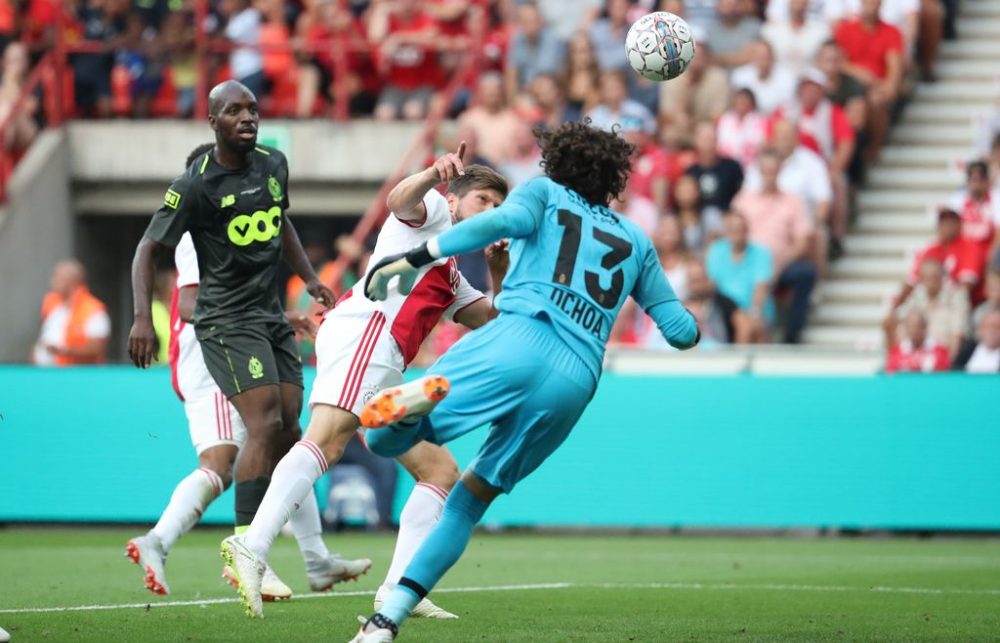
{"x":410,"y":400}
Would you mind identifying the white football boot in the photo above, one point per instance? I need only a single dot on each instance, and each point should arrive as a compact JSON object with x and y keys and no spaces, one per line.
{"x":248,"y":569}
{"x":272,"y":588}
{"x":424,"y":609}
{"x":377,"y":629}
{"x":326,"y":572}
{"x":410,"y":400}
{"x":147,"y":552}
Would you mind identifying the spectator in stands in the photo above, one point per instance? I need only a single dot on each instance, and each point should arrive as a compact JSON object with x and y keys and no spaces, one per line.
{"x":638,"y":209}
{"x":178,"y":42}
{"x":804,"y":174}
{"x":992,"y":301}
{"x":246,"y":63}
{"x":103,"y":24}
{"x":616,"y":108}
{"x":720,"y":320}
{"x":742,"y":130}
{"x":673,"y":254}
{"x":608,"y":34}
{"x":534,"y":49}
{"x":650,"y":165}
{"x":919,"y":353}
{"x":21,"y":128}
{"x":944,"y":306}
{"x":75,"y":324}
{"x":581,"y":75}
{"x":701,"y":93}
{"x":495,"y":124}
{"x":797,"y":39}
{"x":874,"y":51}
{"x":549,"y":99}
{"x":743,"y":272}
{"x":408,"y":59}
{"x":772,"y":85}
{"x":979,"y":207}
{"x":830,"y":12}
{"x":962,"y":259}
{"x":699,"y":225}
{"x":568,"y":17}
{"x":779,"y":221}
{"x":983,"y":354}
{"x":525,"y":163}
{"x":920,"y":23}
{"x":732,"y":33}
{"x":719,"y":177}
{"x":845,"y":90}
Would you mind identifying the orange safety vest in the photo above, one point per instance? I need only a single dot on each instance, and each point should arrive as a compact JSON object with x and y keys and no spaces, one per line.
{"x":81,"y":306}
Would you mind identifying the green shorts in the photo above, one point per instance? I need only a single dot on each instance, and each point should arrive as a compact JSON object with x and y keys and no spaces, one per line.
{"x":244,"y":357}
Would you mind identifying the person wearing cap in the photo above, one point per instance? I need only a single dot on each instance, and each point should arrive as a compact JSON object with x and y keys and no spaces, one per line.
{"x":962,"y":259}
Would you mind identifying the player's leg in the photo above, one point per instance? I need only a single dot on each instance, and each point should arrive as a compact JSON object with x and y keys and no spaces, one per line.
{"x":211,"y":427}
{"x":542,"y":393}
{"x":436,"y":472}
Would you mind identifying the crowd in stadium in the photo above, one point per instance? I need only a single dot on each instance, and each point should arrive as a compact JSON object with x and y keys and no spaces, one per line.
{"x":746,"y":166}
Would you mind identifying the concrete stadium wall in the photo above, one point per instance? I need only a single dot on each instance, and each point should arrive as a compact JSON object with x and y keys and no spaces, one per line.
{"x":124,"y":151}
{"x":36,"y":231}
{"x":894,"y":452}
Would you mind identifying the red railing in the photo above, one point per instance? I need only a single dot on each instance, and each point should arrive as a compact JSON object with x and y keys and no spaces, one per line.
{"x":44,"y":79}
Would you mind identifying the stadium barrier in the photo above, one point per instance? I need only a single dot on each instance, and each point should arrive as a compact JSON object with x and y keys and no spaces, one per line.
{"x":902,"y":452}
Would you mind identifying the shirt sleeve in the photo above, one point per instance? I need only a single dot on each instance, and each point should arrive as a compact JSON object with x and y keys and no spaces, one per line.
{"x":186,"y":262}
{"x":98,"y":325}
{"x":519,"y":216}
{"x":173,"y":218}
{"x":466,"y":295}
{"x":283,"y":179}
{"x":842,"y":128}
{"x":652,"y":291}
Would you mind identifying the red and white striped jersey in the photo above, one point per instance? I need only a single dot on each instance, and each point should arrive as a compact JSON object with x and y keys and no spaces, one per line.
{"x":439,"y":291}
{"x":189,"y":374}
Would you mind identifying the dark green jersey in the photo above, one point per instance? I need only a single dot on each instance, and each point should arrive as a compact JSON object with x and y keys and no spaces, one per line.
{"x":235,"y":218}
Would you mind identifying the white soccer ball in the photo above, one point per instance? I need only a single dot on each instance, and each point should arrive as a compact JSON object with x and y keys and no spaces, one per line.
{"x":659,"y":46}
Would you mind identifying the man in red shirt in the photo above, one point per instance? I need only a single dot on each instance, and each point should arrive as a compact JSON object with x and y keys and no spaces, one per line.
{"x":918,"y":353}
{"x":962,"y":259}
{"x":407,"y":59}
{"x":650,"y":167}
{"x":874,"y":51}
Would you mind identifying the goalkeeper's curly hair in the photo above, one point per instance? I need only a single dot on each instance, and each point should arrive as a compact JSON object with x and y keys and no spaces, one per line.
{"x":593,"y":163}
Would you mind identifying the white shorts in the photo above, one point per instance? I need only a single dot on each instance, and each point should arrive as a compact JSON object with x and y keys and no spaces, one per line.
{"x":356,"y":357}
{"x":213,"y":421}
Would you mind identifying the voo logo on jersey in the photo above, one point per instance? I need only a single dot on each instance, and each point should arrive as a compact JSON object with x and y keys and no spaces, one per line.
{"x":260,"y":226}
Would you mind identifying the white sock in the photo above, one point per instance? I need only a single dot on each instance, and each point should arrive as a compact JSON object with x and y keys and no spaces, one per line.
{"x":291,"y":481}
{"x":190,"y":498}
{"x":308,"y":529}
{"x":421,"y":512}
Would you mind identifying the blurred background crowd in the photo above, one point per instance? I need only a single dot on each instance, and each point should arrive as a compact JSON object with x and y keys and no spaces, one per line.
{"x":746,"y":167}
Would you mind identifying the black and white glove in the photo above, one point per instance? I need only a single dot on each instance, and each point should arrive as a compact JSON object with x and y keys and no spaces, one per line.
{"x":405,"y":265}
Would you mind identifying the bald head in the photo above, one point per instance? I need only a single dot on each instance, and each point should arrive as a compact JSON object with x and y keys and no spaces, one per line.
{"x":225,"y":92}
{"x":67,"y":276}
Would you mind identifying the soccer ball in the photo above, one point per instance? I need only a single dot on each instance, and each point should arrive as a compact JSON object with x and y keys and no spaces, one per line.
{"x":659,"y":46}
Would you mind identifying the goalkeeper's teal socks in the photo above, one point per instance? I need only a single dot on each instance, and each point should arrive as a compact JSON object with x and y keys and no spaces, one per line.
{"x":441,"y":550}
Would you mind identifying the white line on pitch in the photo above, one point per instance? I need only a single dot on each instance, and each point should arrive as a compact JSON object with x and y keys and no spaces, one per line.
{"x":539,"y":586}
{"x":219,"y":601}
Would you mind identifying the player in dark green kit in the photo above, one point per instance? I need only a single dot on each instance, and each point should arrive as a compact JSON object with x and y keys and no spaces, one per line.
{"x":233,"y":200}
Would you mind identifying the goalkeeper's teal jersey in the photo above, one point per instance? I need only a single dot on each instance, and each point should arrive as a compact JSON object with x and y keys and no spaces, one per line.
{"x":574,"y":264}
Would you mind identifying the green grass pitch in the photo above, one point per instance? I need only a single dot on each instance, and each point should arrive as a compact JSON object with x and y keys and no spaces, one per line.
{"x":526,"y":588}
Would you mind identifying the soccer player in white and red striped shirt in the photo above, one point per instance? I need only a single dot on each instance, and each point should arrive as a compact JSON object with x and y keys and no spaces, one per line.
{"x":362,"y":347}
{"x":218,"y":433}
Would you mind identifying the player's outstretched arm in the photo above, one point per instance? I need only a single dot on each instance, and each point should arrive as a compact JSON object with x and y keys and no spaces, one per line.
{"x":142,"y":343}
{"x":652,"y":291}
{"x":406,"y":200}
{"x":295,"y":257}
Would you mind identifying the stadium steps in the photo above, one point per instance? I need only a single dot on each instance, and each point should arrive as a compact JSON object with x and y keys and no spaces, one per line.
{"x":920,"y":168}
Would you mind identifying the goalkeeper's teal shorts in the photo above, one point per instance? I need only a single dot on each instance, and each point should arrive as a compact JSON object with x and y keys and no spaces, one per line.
{"x":513,"y":375}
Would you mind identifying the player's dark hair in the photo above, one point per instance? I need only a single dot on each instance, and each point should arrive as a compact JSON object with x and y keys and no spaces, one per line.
{"x":198,"y":151}
{"x":593,"y":163}
{"x":478,"y":177}
{"x":977,"y":168}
